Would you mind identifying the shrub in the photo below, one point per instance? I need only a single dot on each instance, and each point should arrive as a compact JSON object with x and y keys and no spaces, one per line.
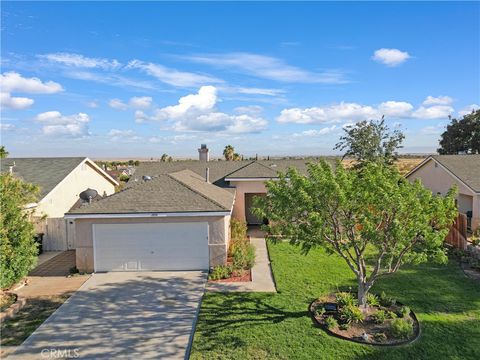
{"x":238,"y":229}
{"x":380,"y":337}
{"x":319,"y":311}
{"x":18,"y":250}
{"x":391,"y":315}
{"x":351,"y":313}
{"x":221,"y":272}
{"x":124,"y":177}
{"x":372,"y":300}
{"x":404,"y":311}
{"x":345,"y":299}
{"x":379,"y":317}
{"x":386,"y":300}
{"x":401,"y":328}
{"x":244,"y":257}
{"x":344,"y":326}
{"x":330,"y":322}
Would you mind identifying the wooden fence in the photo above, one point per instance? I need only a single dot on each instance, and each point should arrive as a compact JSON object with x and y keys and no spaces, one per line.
{"x":457,"y":237}
{"x":54,"y":233}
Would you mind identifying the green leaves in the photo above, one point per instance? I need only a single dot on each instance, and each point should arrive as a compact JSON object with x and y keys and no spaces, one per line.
{"x":17,"y":248}
{"x":348,"y":210}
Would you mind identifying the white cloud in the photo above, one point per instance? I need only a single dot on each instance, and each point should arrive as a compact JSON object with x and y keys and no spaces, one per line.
{"x":171,"y":76}
{"x":440,"y":100}
{"x":196,"y":112}
{"x":15,"y":103}
{"x":93,"y":104}
{"x":251,"y":109}
{"x":190,"y":105}
{"x":390,"y":57}
{"x":14,"y":82}
{"x":258,"y":91}
{"x":317,"y":132}
{"x":123,"y":135}
{"x":328,"y":114}
{"x":117,"y":104}
{"x":7,"y":127}
{"x":110,"y":79}
{"x":80,"y":61}
{"x":433,"y":130}
{"x":395,"y":109}
{"x":142,"y":102}
{"x":433,"y":112}
{"x":268,"y":67}
{"x":468,"y":109}
{"x":54,"y":123}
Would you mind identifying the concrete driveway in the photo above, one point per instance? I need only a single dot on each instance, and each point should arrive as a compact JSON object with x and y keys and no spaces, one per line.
{"x":135,"y":315}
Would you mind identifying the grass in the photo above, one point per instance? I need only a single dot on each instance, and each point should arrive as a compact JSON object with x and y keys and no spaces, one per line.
{"x":277,"y":326}
{"x":16,"y":329}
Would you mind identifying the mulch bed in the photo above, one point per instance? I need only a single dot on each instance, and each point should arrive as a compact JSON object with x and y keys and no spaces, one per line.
{"x":356,"y":330}
{"x":236,"y":277}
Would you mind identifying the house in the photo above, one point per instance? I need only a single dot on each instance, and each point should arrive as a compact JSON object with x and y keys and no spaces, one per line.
{"x":440,"y":172}
{"x":172,"y":215}
{"x":61,"y":180}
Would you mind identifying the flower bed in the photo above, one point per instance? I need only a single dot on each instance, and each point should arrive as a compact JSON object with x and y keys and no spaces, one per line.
{"x":241,"y":257}
{"x":384,"y":322}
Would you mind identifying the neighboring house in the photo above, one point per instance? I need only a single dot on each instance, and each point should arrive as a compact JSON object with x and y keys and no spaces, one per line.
{"x":60,"y":180}
{"x":172,"y":215}
{"x":440,"y":172}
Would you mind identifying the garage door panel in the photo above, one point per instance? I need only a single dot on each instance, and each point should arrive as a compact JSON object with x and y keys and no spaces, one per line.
{"x":151,"y":246}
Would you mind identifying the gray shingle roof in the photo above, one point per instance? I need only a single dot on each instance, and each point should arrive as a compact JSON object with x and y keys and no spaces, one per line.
{"x":178,"y":192}
{"x":221,"y":169}
{"x":44,"y":172}
{"x":465,"y":167}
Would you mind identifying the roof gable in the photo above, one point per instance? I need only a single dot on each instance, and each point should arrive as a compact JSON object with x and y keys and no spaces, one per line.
{"x":44,"y":172}
{"x":254,"y":170}
{"x":464,"y":167}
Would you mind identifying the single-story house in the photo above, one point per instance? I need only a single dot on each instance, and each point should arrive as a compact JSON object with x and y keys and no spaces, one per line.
{"x":61,"y":180}
{"x":440,"y":172}
{"x":172,"y":215}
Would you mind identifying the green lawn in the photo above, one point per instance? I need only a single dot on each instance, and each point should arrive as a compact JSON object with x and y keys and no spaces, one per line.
{"x":277,"y":326}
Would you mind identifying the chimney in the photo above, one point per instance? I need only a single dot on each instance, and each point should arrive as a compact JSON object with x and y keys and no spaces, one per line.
{"x":207,"y":175}
{"x":203,"y":153}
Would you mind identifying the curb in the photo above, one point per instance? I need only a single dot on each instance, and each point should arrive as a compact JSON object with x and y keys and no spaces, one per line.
{"x":14,"y":308}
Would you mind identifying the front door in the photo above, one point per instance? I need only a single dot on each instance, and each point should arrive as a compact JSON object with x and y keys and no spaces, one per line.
{"x":251,"y":218}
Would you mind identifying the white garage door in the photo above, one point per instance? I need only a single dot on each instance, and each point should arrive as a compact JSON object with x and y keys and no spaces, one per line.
{"x":150,"y":246}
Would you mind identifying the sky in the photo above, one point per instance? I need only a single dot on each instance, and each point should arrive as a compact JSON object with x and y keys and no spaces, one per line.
{"x":136,"y":80}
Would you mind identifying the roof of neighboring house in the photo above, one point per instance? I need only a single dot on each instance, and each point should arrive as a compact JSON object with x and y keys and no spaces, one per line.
{"x":219,"y":170}
{"x":465,"y":167}
{"x":44,"y":172}
{"x":183,"y":191}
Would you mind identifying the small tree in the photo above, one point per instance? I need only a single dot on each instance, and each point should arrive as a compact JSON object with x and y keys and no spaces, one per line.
{"x":370,"y":141}
{"x":374,"y":219}
{"x":18,"y":250}
{"x":164,"y":158}
{"x":462,"y":135}
{"x":3,"y":152}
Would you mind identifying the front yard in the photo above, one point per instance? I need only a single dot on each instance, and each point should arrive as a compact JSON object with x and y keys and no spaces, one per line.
{"x":277,"y":326}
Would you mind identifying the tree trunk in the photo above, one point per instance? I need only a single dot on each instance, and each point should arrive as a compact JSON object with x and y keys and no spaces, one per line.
{"x":362,"y":294}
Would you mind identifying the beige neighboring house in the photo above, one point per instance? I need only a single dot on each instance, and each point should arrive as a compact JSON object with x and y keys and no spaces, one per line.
{"x":172,"y":215}
{"x":61,"y":180}
{"x":440,"y":172}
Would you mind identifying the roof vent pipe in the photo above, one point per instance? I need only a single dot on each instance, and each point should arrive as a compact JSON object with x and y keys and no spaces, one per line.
{"x":207,"y":175}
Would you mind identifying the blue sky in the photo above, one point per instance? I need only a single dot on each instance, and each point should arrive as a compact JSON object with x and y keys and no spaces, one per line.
{"x":124,"y":79}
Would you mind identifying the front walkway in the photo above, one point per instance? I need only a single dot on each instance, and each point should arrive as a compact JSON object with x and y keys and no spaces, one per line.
{"x":58,"y":265}
{"x":262,"y":279}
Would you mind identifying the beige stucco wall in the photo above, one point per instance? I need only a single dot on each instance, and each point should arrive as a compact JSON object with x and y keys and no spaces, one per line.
{"x":439,"y":180}
{"x":218,"y":236}
{"x":56,"y":203}
{"x":242,"y":188}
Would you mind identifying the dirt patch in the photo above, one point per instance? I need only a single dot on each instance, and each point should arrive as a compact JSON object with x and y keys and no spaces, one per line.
{"x":244,"y":276}
{"x":16,"y":329}
{"x":6,"y":300}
